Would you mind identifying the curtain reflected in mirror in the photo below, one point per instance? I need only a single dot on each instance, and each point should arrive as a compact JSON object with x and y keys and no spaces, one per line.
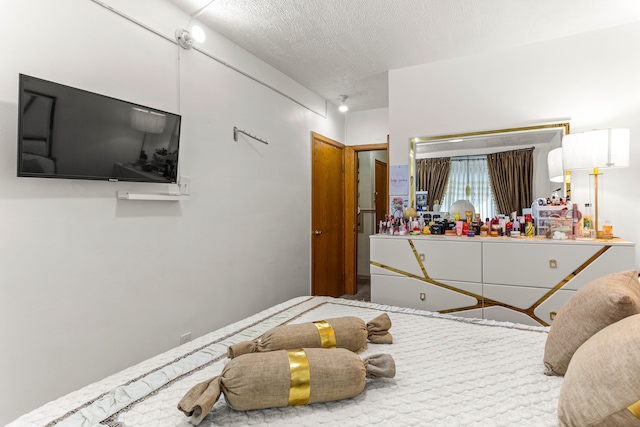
{"x":431,"y":176}
{"x":511,"y":175}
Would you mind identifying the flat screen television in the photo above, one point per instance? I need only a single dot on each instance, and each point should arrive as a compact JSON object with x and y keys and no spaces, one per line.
{"x":65,"y":132}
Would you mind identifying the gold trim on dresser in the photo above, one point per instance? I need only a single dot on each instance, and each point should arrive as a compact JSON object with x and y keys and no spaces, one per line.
{"x":483,"y":302}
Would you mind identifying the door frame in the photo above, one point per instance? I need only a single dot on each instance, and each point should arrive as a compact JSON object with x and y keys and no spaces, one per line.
{"x":351,"y":210}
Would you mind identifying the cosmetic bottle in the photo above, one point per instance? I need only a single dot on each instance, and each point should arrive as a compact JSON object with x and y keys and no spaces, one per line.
{"x":588,"y":232}
{"x":484,"y":229}
{"x":529,"y":231}
{"x":458,"y":228}
{"x":575,"y":218}
{"x":426,"y":229}
{"x":607,"y":230}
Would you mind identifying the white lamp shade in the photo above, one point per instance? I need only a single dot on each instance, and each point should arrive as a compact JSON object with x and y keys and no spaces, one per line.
{"x":554,"y":163}
{"x":147,"y":121}
{"x":602,"y":149}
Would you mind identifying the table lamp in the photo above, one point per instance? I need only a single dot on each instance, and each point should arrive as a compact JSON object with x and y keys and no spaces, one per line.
{"x":596,"y":150}
{"x":554,"y":163}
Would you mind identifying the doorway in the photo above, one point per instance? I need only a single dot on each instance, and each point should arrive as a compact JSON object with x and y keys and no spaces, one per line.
{"x":373,"y":200}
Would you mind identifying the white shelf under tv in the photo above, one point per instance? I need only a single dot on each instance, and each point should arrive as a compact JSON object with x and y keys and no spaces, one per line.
{"x":129,"y":195}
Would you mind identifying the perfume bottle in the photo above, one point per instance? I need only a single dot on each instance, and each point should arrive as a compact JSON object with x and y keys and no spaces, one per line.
{"x":529,"y":229}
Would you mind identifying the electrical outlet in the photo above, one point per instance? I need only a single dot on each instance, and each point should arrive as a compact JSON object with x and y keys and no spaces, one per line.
{"x":185,"y":185}
{"x":185,"y":338}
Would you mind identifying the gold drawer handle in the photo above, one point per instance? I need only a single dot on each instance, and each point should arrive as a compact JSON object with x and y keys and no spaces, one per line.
{"x":421,"y":257}
{"x":553,"y":263}
{"x":552,"y":315}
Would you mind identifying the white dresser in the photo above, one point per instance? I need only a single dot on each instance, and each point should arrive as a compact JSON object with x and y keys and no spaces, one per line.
{"x":524,"y":280}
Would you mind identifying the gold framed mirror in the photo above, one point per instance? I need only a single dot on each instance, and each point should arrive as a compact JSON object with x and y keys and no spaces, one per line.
{"x":543,"y":138}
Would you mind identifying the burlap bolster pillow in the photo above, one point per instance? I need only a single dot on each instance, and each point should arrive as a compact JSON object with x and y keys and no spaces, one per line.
{"x":342,"y":332}
{"x":286,"y":378}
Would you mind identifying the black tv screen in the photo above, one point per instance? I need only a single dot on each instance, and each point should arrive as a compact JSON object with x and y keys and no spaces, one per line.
{"x":65,"y":132}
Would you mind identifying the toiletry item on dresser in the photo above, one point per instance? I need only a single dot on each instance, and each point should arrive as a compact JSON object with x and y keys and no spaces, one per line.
{"x":508,"y":227}
{"x":415,"y":225}
{"x":515,"y":231}
{"x":588,"y":233}
{"x":484,"y":229}
{"x":427,"y":228}
{"x":529,"y":231}
{"x":459,"y":228}
{"x":607,"y":230}
{"x":576,"y":219}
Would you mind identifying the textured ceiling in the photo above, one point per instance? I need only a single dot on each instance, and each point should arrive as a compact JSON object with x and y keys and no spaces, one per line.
{"x":346,"y":47}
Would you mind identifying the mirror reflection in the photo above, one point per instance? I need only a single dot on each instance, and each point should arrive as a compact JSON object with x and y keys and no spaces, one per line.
{"x":497,"y":171}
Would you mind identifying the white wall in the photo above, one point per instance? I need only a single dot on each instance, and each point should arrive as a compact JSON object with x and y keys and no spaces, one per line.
{"x":367,"y":127}
{"x":90,"y":284}
{"x":593,"y":78}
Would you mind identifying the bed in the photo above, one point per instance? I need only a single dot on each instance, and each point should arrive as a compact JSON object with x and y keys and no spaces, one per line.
{"x":451,"y":371}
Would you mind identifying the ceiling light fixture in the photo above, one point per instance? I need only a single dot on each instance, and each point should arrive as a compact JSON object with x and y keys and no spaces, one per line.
{"x":186,"y":38}
{"x":343,"y":108}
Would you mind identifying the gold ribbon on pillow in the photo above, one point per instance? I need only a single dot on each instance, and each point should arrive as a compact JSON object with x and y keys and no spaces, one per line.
{"x":327,"y":335}
{"x":300,"y":386}
{"x":635,"y":409}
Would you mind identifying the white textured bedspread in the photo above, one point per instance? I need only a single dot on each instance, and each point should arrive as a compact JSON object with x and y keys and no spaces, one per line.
{"x":450,"y":372}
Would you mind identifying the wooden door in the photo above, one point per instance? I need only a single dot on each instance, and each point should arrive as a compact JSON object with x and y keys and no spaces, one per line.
{"x":327,"y":217}
{"x":381,"y":191}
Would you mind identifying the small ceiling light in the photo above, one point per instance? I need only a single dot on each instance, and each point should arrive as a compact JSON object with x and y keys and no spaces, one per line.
{"x":343,"y":108}
{"x":186,"y":38}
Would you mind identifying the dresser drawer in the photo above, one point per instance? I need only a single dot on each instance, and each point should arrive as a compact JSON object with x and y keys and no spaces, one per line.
{"x":451,"y":258}
{"x":506,"y":300}
{"x":443,"y":259}
{"x":534,"y":265}
{"x":393,"y":254}
{"x":414,"y":293}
